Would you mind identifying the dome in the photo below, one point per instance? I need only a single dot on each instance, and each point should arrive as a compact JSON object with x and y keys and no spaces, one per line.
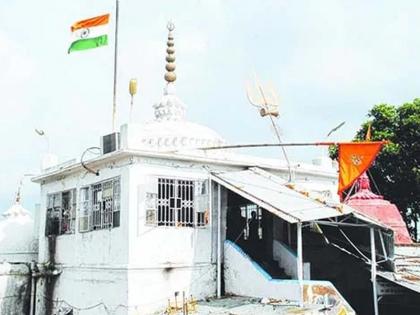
{"x":17,"y":238}
{"x":170,"y":130}
{"x":176,"y":135}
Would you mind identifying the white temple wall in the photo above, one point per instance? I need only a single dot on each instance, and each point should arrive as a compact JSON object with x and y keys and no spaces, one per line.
{"x":163,"y":245}
{"x":92,"y":265}
{"x":107,"y":246}
{"x":15,"y":288}
{"x":150,"y":289}
{"x":164,"y":260}
{"x":87,"y":290}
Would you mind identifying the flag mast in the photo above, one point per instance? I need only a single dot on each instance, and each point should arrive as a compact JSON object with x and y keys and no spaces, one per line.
{"x":114,"y":101}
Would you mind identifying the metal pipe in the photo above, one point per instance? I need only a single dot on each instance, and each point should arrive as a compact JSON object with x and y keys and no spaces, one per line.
{"x":114,"y":100}
{"x":300,"y":262}
{"x":210,"y":217}
{"x":293,"y":144}
{"x":32,"y":303}
{"x":373,"y":270}
{"x":383,"y":246}
{"x":219,"y":240}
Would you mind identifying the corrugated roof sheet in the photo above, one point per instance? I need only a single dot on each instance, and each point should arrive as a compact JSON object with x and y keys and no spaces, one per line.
{"x":272,"y":193}
{"x":407,"y":265}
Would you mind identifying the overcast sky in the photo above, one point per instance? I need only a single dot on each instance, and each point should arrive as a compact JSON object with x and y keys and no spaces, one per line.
{"x":329,"y":61}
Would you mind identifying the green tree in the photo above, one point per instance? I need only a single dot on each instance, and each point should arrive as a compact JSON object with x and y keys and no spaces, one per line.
{"x":396,"y":170}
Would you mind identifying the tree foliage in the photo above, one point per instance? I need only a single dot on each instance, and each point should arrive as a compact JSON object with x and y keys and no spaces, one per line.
{"x":396,"y":170}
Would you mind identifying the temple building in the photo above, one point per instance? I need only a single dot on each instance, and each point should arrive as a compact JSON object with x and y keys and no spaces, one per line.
{"x":158,"y":223}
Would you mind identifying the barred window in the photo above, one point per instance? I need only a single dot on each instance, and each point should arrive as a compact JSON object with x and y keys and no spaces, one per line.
{"x":251,"y":212}
{"x":84,"y":210}
{"x":105,"y":205}
{"x":61,"y":213}
{"x":179,"y":202}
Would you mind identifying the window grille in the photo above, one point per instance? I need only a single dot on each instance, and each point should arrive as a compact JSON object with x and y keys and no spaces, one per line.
{"x":247,"y":213}
{"x":202,"y":202}
{"x":84,"y":209}
{"x":61,"y":213}
{"x":117,"y":203}
{"x":96,"y":206}
{"x":151,"y":208}
{"x":178,"y":203}
{"x":106,"y":203}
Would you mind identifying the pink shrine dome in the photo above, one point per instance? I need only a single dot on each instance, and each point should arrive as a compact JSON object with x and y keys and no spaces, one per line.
{"x":375,"y":206}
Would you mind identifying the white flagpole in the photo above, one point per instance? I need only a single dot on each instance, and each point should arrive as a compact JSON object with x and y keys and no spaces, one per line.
{"x":114,"y":103}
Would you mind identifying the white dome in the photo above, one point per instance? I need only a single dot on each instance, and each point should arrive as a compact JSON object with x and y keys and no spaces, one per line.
{"x":169,"y":130}
{"x":17,"y":238}
{"x":171,"y":135}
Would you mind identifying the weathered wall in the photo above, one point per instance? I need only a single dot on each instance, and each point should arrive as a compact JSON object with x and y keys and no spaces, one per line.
{"x":288,"y":261}
{"x":132,"y":266}
{"x":100,"y":247}
{"x":15,"y":289}
{"x":245,"y":278}
{"x":150,"y":289}
{"x":88,"y":290}
{"x":163,"y":260}
{"x":93,"y":265}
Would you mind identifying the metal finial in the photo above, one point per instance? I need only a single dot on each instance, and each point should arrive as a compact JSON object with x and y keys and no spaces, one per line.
{"x":170,"y":75}
{"x":170,"y":26}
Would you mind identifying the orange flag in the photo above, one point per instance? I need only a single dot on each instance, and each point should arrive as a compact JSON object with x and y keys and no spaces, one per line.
{"x":354,"y":158}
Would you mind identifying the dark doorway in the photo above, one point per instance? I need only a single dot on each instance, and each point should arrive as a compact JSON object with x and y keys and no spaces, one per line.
{"x":251,"y":228}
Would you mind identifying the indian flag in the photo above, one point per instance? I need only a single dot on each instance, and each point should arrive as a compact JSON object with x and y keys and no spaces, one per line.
{"x":89,"y":33}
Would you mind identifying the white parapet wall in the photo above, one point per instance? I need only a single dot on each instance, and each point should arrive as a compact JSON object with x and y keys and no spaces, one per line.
{"x":15,"y":288}
{"x":287,"y":260}
{"x":244,"y":277}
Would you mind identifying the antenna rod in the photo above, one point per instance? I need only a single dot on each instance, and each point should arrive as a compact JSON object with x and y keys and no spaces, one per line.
{"x":114,"y":102}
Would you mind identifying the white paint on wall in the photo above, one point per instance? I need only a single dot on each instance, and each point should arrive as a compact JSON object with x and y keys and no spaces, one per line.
{"x":288,"y":261}
{"x":244,"y":277}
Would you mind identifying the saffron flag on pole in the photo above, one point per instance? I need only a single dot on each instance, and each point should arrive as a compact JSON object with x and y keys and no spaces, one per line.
{"x":89,"y":33}
{"x":354,"y":159}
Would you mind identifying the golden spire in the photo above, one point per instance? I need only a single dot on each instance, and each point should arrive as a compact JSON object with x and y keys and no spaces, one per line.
{"x":170,"y":75}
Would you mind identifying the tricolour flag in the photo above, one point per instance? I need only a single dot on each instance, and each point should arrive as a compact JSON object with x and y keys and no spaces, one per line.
{"x":89,"y":33}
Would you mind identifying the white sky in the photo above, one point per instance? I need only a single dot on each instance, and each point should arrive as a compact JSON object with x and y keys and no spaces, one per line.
{"x":329,"y":60}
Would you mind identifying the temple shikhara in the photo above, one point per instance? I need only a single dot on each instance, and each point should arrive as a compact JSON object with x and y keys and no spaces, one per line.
{"x":382,"y":210}
{"x":156,"y":224}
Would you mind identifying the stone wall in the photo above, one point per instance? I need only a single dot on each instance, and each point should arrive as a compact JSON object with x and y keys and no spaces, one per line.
{"x":15,"y":289}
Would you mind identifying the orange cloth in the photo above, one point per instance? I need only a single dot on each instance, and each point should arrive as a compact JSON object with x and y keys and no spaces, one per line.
{"x":95,"y":21}
{"x":353,"y":159}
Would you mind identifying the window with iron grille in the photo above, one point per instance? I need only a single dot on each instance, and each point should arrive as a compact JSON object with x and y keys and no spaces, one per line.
{"x":251,"y":212}
{"x":85,"y":207}
{"x":179,"y":202}
{"x":61,"y":213}
{"x":106,"y":199}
